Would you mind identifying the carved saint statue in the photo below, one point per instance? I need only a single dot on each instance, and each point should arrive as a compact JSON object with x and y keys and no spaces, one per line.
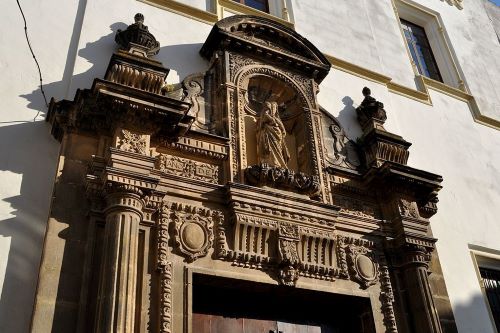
{"x":271,"y":133}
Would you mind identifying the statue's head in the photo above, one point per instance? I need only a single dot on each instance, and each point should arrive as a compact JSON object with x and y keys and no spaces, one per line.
{"x":271,"y":107}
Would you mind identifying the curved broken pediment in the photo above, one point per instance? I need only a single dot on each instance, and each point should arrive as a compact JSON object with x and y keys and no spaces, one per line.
{"x":267,"y":39}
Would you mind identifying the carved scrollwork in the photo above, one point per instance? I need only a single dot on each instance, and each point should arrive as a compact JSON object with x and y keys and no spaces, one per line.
{"x":340,"y":150}
{"x":264,"y":174}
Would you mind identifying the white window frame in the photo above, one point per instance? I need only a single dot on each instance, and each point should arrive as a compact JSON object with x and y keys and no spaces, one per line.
{"x":433,"y":25}
{"x":485,"y":258}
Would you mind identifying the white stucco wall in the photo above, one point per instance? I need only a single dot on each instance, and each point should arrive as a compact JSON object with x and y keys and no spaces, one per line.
{"x":446,"y":141}
{"x":28,"y":153}
{"x":366,"y":33}
{"x":74,"y":40}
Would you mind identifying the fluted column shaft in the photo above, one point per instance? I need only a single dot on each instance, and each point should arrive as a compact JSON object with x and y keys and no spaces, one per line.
{"x":118,"y":282}
{"x":421,"y":302}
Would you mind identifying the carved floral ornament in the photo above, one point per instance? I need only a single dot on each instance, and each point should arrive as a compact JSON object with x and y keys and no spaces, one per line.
{"x":132,"y":142}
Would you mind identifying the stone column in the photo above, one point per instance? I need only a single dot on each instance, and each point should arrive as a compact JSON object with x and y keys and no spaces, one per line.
{"x":415,"y":273}
{"x":118,"y":281}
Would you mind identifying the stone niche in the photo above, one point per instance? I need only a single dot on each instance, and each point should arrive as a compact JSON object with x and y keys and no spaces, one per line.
{"x":232,"y":181}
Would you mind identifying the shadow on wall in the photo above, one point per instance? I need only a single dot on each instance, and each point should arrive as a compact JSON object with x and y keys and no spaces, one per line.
{"x":32,"y":153}
{"x":348,"y":119}
{"x":34,"y":161}
{"x":471,"y":317}
{"x":183,"y":59}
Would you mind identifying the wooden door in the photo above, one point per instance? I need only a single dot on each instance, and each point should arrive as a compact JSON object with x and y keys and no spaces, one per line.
{"x":297,"y":328}
{"x":206,"y":323}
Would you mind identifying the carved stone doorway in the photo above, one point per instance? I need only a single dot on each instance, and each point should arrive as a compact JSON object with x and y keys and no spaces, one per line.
{"x":223,"y":305}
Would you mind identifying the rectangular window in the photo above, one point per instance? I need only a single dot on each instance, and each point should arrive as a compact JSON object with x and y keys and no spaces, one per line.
{"x":491,"y":283}
{"x":261,"y":5}
{"x":420,"y":50}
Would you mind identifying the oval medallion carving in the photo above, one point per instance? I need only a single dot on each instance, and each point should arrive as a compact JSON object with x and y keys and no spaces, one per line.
{"x":193,"y":235}
{"x":193,"y":228}
{"x":366,"y":267}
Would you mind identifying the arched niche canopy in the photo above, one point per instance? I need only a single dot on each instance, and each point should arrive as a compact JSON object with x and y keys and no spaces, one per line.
{"x":269,"y":40}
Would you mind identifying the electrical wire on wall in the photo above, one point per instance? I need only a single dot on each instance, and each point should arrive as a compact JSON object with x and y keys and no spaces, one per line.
{"x":34,"y":58}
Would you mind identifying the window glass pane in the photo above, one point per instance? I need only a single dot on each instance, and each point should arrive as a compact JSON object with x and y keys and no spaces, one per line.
{"x":257,"y":4}
{"x":420,"y":50}
{"x":491,"y":282}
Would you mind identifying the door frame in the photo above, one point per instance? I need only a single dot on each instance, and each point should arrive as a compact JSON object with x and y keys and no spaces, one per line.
{"x":188,"y":291}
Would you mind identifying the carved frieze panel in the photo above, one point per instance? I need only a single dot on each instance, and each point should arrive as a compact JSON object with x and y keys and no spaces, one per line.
{"x":136,"y":77}
{"x":290,"y":249}
{"x":317,"y":254}
{"x":178,"y":166}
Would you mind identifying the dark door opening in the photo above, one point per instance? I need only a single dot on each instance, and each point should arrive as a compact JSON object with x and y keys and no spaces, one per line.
{"x":223,"y":305}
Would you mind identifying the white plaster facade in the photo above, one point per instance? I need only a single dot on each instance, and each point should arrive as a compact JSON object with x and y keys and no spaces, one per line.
{"x":73,"y":41}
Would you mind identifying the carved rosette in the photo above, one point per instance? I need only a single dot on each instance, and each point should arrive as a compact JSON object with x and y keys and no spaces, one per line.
{"x":288,"y":239}
{"x":193,"y":230}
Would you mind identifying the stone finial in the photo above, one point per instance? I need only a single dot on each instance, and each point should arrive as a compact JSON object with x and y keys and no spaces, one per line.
{"x":371,"y":113}
{"x":137,"y":39}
